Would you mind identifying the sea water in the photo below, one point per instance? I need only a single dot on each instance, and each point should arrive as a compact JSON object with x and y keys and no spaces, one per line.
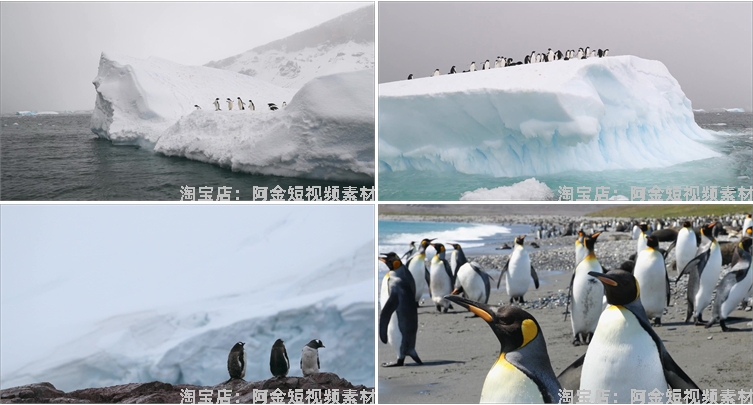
{"x":57,"y":157}
{"x":733,"y":138}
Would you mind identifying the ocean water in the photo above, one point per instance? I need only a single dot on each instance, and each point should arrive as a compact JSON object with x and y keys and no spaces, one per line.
{"x":57,"y":157}
{"x":733,"y":138}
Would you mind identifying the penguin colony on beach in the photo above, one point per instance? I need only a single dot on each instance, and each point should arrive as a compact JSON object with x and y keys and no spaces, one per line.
{"x":548,"y":56}
{"x":613,"y":311}
{"x":279,"y":364}
{"x":241,"y":105}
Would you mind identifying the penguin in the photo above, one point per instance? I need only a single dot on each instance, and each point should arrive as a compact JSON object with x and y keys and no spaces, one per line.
{"x":457,"y":259}
{"x":496,"y":62}
{"x":734,"y":286}
{"x":558,"y":55}
{"x":523,"y":372}
{"x":284,"y":104}
{"x":517,"y":271}
{"x":533,"y":57}
{"x":550,"y":55}
{"x":587,"y":53}
{"x":642,"y":238}
{"x":416,"y":264}
{"x":580,"y":53}
{"x":527,"y":59}
{"x":625,"y":353}
{"x":197,"y":106}
{"x":606,"y":52}
{"x":473,"y":282}
{"x":217,"y":104}
{"x":441,"y":280}
{"x":310,"y":357}
{"x":486,"y":65}
{"x":747,"y":223}
{"x":436,"y":72}
{"x":452,"y":70}
{"x":580,"y":248}
{"x":410,"y":76}
{"x":703,"y":273}
{"x":651,"y":273}
{"x":278,"y":361}
{"x":236,"y":361}
{"x":251,"y":106}
{"x":685,"y":246}
{"x":600,"y":53}
{"x":399,"y":331}
{"x":229,"y":104}
{"x":413,"y":249}
{"x":240,"y":104}
{"x":473,"y":67}
{"x":272,"y":106}
{"x":585,"y":294}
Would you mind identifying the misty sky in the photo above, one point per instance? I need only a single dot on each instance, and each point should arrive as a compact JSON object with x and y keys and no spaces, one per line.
{"x":49,"y":52}
{"x":706,"y":46}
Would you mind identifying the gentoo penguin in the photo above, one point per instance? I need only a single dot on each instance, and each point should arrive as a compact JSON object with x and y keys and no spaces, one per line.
{"x":284,"y":104}
{"x":278,"y":361}
{"x":236,"y":361}
{"x":747,"y":223}
{"x":518,"y":271}
{"x":580,"y":248}
{"x":272,"y":106}
{"x":457,"y":259}
{"x":217,"y":104}
{"x":416,"y":264}
{"x":486,"y":65}
{"x":410,"y":76}
{"x":229,"y":104}
{"x":251,"y":106}
{"x":734,"y":286}
{"x":703,"y":273}
{"x":473,"y":283}
{"x":685,"y":246}
{"x":436,"y":72}
{"x":473,"y":66}
{"x":651,"y":274}
{"x":550,"y":55}
{"x":310,"y":357}
{"x":585,"y":294}
{"x":452,"y":70}
{"x":441,"y":280}
{"x":625,"y":353}
{"x":240,"y":104}
{"x":197,"y":106}
{"x":398,"y":320}
{"x":522,"y":372}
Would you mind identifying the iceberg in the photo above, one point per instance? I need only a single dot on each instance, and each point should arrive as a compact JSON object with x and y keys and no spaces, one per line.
{"x":596,"y":114}
{"x":734,"y":110}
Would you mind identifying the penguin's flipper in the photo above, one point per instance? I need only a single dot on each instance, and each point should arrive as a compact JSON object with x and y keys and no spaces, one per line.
{"x":669,"y":249}
{"x":427,"y":277}
{"x":507,"y":265}
{"x":698,"y":262}
{"x":669,"y":292}
{"x":318,"y":366}
{"x":384,"y":317}
{"x":569,"y":378}
{"x":569,"y":296}
{"x":448,"y":270}
{"x":485,"y":278}
{"x":535,"y":277}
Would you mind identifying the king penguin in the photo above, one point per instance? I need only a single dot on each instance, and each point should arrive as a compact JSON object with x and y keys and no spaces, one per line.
{"x":641,"y":238}
{"x":416,"y":264}
{"x":651,"y":273}
{"x":585,"y":294}
{"x":517,"y":272}
{"x":734,"y":287}
{"x":441,"y":280}
{"x":686,"y":246}
{"x":457,"y":259}
{"x":522,"y":372}
{"x":580,"y":248}
{"x":278,"y":360}
{"x":473,"y":282}
{"x":486,"y":65}
{"x":310,"y":357}
{"x":703,"y":273}
{"x":625,"y":353}
{"x":240,"y":104}
{"x":398,"y":320}
{"x":236,"y":361}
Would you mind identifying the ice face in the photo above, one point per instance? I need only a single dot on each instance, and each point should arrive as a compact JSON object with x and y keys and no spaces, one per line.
{"x":597,"y":114}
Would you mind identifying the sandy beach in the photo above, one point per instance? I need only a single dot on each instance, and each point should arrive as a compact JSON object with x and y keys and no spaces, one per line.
{"x":458,"y":351}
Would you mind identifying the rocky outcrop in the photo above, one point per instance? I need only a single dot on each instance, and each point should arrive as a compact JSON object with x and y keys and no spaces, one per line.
{"x":295,"y":389}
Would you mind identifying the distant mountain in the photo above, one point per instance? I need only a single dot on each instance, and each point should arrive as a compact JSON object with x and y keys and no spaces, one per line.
{"x":343,"y":44}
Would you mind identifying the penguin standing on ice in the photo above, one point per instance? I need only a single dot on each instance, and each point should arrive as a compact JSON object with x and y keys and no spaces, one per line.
{"x":533,"y":57}
{"x":587,"y":53}
{"x":452,"y":70}
{"x":550,"y":55}
{"x":272,"y":106}
{"x":625,"y":354}
{"x":527,"y":59}
{"x":410,"y":76}
{"x":651,"y":274}
{"x":606,"y":52}
{"x":310,"y":357}
{"x":278,"y":360}
{"x":229,"y":104}
{"x":585,"y":294}
{"x":522,"y":373}
{"x":580,"y":53}
{"x":217,"y":104}
{"x":284,"y":104}
{"x":240,"y":104}
{"x":398,"y":320}
{"x":518,"y":271}
{"x":251,"y":105}
{"x":441,"y":280}
{"x":436,"y":72}
{"x":473,"y":67}
{"x":558,"y":55}
{"x":734,"y":286}
{"x":486,"y":65}
{"x":703,"y":273}
{"x":236,"y":361}
{"x":496,"y":62}
{"x":197,"y":106}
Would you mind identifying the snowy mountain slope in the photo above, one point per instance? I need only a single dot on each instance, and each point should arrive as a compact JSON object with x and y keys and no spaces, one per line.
{"x":597,"y":114}
{"x":343,"y":44}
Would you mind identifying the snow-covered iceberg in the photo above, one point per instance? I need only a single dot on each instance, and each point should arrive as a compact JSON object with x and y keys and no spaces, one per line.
{"x":325,"y":132}
{"x":596,"y":114}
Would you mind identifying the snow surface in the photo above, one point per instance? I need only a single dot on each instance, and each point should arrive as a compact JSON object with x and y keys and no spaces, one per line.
{"x":619,"y":112}
{"x":179,"y":326}
{"x":343,"y":44}
{"x":325,"y":132}
{"x":529,"y":189}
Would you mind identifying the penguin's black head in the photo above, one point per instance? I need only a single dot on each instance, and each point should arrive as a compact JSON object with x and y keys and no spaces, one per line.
{"x":392,"y":260}
{"x":426,"y":242}
{"x":620,"y":287}
{"x":652,"y":242}
{"x":438,"y":247}
{"x":706,"y":230}
{"x":745,"y":243}
{"x":686,"y":224}
{"x":217,"y":98}
{"x":643,"y":227}
{"x":278,"y":344}
{"x":238,"y":347}
{"x":520,"y":240}
{"x":581,"y":233}
{"x":748,"y":216}
{"x":513,"y":326}
{"x":315,"y":344}
{"x":456,"y":246}
{"x":590,"y":240}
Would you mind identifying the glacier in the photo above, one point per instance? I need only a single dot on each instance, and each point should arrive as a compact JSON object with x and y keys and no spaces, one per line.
{"x":597,"y":114}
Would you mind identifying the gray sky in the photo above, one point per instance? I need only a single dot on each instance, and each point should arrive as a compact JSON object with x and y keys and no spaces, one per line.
{"x":706,"y":46}
{"x":49,"y":52}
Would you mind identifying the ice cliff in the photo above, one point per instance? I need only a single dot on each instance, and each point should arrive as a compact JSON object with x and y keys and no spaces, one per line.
{"x":596,"y":114}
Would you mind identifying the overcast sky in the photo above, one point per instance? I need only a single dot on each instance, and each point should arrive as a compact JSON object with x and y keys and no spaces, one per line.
{"x":706,"y":46}
{"x":49,"y":52}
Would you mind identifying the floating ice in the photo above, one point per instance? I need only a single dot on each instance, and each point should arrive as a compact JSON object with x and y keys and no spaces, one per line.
{"x":529,"y":189}
{"x":619,"y":112}
{"x":26,"y":113}
{"x":734,"y":110}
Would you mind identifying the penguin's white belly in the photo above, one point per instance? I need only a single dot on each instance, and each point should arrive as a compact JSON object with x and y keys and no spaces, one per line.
{"x":587,"y":299}
{"x":650,"y":273}
{"x":384,"y":293}
{"x":686,"y":248}
{"x":518,"y":276}
{"x":394,"y":336}
{"x":472,"y":283}
{"x":418,"y":271}
{"x":309,"y":361}
{"x":580,"y":253}
{"x":440,"y":283}
{"x":737,"y":294}
{"x":507,"y":385}
{"x":709,"y":277}
{"x":622,"y":357}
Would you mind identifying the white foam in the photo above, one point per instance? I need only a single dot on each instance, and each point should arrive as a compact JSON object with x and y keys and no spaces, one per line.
{"x":529,"y":189}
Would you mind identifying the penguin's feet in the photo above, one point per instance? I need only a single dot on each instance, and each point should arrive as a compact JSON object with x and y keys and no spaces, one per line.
{"x":398,"y":363}
{"x":723,"y":325}
{"x":589,"y":336}
{"x":444,"y":311}
{"x":576,"y":341}
{"x":657,"y":321}
{"x":439,"y":308}
{"x":416,"y":359}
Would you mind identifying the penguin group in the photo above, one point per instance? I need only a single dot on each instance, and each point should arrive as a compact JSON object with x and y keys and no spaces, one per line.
{"x":279,"y":364}
{"x":533,"y":57}
{"x":241,"y":105}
